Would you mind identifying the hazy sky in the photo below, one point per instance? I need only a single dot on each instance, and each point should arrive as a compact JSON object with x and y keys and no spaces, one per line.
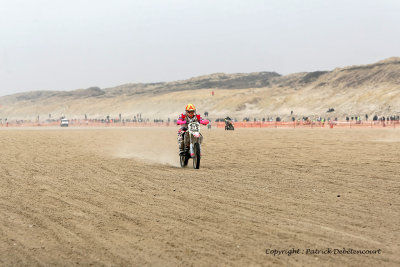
{"x":71,"y":44}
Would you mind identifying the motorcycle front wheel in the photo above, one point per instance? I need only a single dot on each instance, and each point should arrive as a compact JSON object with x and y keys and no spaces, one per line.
{"x":196,"y":158}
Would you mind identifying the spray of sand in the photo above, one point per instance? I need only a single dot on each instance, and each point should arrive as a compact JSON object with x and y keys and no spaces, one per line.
{"x":150,"y":147}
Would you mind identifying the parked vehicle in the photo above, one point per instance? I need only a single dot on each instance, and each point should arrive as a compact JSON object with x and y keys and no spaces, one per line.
{"x":64,"y":123}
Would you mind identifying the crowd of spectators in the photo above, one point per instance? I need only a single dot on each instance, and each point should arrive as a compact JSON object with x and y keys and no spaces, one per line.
{"x":139,"y":119}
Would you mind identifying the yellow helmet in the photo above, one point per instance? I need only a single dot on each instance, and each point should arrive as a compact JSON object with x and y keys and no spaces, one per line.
{"x":190,"y":107}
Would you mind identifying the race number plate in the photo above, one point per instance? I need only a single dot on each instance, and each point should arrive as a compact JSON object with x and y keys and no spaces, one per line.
{"x":194,"y":127}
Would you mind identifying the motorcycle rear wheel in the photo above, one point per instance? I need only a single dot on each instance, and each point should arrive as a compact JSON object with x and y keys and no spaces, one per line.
{"x":184,"y":159}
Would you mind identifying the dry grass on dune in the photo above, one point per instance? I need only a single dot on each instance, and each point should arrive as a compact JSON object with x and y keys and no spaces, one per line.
{"x":240,"y":103}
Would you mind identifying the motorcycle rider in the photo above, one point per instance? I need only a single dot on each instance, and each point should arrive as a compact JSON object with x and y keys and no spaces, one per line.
{"x":183,"y":120}
{"x":228,"y":121}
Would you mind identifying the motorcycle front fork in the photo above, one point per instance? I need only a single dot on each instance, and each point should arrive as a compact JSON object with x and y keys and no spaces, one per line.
{"x":191,"y":147}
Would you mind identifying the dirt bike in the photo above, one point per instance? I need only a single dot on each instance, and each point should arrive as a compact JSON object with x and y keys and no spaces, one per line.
{"x":229,"y":126}
{"x":195,"y":139}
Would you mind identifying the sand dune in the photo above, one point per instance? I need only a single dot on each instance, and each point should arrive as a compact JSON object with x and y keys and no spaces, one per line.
{"x":355,"y":90}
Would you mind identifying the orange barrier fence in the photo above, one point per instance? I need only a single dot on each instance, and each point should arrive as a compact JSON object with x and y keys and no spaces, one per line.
{"x":334,"y":124}
{"x":89,"y":124}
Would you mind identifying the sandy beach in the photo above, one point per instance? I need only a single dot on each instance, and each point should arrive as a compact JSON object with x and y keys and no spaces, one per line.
{"x":118,"y":197}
